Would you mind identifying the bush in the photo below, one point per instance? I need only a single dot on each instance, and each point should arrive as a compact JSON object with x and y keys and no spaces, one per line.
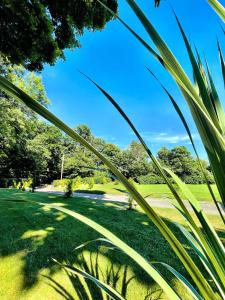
{"x":56,"y":183}
{"x":116,"y":182}
{"x":101,"y":178}
{"x":14,"y":184}
{"x":9,"y":182}
{"x":91,"y":183}
{"x":78,"y":182}
{"x":150,"y":179}
{"x":60,"y":183}
{"x":3,"y":183}
{"x":18,"y":185}
{"x":26,"y":183}
{"x":68,"y":188}
{"x":131,"y":203}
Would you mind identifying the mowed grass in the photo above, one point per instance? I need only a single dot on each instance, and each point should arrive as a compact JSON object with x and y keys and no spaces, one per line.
{"x":31,"y":236}
{"x":159,"y":191}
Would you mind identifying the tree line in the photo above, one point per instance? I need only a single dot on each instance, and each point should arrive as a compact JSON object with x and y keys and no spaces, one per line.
{"x":32,"y":148}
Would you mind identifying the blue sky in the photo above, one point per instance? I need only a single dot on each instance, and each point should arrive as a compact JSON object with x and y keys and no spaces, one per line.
{"x":115,"y":60}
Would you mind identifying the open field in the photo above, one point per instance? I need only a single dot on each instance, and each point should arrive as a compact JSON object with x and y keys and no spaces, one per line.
{"x":31,"y":236}
{"x":153,"y":190}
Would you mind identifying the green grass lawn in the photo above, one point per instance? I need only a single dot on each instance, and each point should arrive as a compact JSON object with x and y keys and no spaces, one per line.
{"x":157,"y":190}
{"x":31,"y":236}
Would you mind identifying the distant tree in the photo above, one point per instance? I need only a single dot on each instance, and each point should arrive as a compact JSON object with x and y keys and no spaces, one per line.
{"x":37,"y":32}
{"x":133,"y":161}
{"x":46,"y":150}
{"x":164,"y":156}
{"x":84,"y":131}
{"x":78,"y":160}
{"x":180,"y":160}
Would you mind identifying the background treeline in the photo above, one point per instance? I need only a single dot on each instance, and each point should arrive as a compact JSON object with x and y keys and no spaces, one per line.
{"x":32,"y":148}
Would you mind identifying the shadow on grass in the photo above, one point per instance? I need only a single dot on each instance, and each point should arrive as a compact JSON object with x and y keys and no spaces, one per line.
{"x":98,"y":192}
{"x":43,"y":234}
{"x":120,"y":190}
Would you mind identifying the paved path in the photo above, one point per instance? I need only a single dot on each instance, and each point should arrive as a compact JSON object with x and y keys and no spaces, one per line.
{"x":208,"y":207}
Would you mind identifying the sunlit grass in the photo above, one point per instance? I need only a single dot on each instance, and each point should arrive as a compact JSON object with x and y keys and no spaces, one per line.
{"x":200,"y":191}
{"x":31,"y":236}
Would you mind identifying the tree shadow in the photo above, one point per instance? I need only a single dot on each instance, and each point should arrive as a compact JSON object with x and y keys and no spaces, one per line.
{"x":97,"y":192}
{"x":42,"y":234}
{"x":120,"y":190}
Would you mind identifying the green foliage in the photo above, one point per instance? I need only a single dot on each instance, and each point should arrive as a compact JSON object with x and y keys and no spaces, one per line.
{"x":116,"y":182}
{"x":150,"y":179}
{"x":3,"y":183}
{"x":133,"y":161}
{"x":50,"y":28}
{"x":101,"y":177}
{"x":90,"y":182}
{"x":56,"y":182}
{"x":63,"y":182}
{"x":214,"y":248}
{"x":204,"y":240}
{"x":14,"y":184}
{"x":179,"y":160}
{"x":78,"y":182}
{"x":24,"y":150}
{"x":26,"y":183}
{"x":32,"y":148}
{"x":68,"y":188}
{"x":18,"y":186}
{"x":131,"y":202}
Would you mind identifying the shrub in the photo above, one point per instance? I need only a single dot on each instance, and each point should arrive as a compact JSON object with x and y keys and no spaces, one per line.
{"x":56,"y":183}
{"x":78,"y":182}
{"x":91,"y":183}
{"x":150,"y":179}
{"x":14,"y":184}
{"x":101,"y":179}
{"x":68,"y":188}
{"x":26,"y":183}
{"x":131,"y":202}
{"x":3,"y":183}
{"x":18,"y":185}
{"x":104,"y":180}
{"x":116,"y":182}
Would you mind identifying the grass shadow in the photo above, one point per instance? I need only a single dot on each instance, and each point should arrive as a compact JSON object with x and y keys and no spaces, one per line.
{"x":98,"y":192}
{"x":41,"y":233}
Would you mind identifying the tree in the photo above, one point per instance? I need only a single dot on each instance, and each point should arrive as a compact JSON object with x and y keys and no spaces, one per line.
{"x":84,"y":131}
{"x":78,"y":160}
{"x":46,"y":150}
{"x":180,"y":161}
{"x":133,"y":161}
{"x":37,"y":32}
{"x":19,"y":124}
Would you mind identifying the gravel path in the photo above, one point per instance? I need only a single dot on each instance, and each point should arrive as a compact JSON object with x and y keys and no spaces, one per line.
{"x":208,"y":207}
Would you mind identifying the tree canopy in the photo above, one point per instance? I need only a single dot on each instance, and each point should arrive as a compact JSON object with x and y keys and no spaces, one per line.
{"x":37,"y":32}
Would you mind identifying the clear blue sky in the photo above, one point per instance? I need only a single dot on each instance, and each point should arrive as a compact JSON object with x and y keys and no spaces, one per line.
{"x":115,"y":59}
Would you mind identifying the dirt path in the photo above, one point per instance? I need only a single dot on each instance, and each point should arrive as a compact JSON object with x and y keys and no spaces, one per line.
{"x":208,"y":207}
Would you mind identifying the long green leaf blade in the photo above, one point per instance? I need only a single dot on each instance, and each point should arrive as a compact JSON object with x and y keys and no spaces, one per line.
{"x":220,"y":10}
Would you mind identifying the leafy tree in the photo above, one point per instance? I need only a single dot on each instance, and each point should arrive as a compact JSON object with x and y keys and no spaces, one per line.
{"x":18,"y":123}
{"x":37,"y":32}
{"x":46,"y":150}
{"x":84,"y":131}
{"x":179,"y":160}
{"x":133,"y":161}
